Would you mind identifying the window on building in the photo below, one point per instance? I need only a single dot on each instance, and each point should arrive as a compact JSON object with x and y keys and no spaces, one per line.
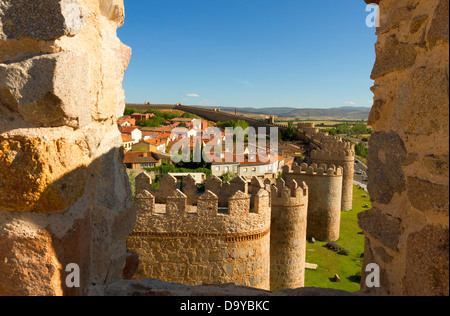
{"x":147,"y":165}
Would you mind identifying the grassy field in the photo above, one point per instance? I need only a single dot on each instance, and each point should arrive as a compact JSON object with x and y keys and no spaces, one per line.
{"x":330,"y":263}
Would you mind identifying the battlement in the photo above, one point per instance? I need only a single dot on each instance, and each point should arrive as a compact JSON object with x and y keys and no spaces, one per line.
{"x":167,"y":185}
{"x":182,"y":238}
{"x":225,"y":190}
{"x":337,"y":144}
{"x":208,"y":216}
{"x":287,"y":192}
{"x":314,"y":170}
{"x":336,"y":154}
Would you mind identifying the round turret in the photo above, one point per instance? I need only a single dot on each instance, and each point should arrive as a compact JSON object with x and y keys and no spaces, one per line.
{"x":288,"y":235}
{"x":324,"y":198}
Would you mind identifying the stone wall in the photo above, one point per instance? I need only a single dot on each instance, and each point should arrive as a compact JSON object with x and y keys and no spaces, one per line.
{"x":288,"y":235}
{"x":342,"y":155}
{"x":177,"y":243}
{"x":225,"y":190}
{"x":167,"y":186}
{"x":64,"y":192}
{"x":324,"y":201}
{"x":408,"y":228}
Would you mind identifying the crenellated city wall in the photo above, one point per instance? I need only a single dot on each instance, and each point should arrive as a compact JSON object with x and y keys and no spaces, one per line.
{"x":206,"y":244}
{"x":324,"y":202}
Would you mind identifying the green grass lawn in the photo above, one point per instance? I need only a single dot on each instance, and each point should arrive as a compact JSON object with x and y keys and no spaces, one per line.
{"x":330,"y":263}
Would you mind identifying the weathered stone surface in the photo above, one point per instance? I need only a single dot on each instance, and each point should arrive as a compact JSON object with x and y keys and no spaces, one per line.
{"x":153,"y":287}
{"x":370,"y":256}
{"x":48,"y":90}
{"x":384,"y":228}
{"x":113,"y":10}
{"x":428,"y":197}
{"x":437,"y":165}
{"x":392,"y":56}
{"x":439,"y":30}
{"x":386,"y":156}
{"x":427,"y":267}
{"x":40,"y":19}
{"x":408,"y":154}
{"x":422,"y":105}
{"x":38,"y":176}
{"x":131,"y":265}
{"x":29,"y":265}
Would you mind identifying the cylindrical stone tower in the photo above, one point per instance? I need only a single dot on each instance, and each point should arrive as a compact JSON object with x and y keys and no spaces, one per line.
{"x":324,"y":199}
{"x":341,"y":154}
{"x":288,"y":235}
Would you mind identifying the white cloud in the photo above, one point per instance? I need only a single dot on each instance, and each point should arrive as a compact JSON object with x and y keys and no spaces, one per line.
{"x":193,"y":95}
{"x":244,"y":82}
{"x":350,"y":103}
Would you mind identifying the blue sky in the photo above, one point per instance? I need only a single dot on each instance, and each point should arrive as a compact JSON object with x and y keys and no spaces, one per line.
{"x":249,"y":53}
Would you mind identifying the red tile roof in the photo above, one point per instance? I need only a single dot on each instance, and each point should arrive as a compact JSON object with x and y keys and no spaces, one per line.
{"x":126,"y":138}
{"x":127,"y":129}
{"x":139,"y":157}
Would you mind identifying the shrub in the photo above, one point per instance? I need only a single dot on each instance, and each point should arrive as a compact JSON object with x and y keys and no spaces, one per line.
{"x":337,"y":248}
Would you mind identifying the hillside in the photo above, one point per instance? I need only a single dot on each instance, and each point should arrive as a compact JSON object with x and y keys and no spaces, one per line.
{"x":349,"y":113}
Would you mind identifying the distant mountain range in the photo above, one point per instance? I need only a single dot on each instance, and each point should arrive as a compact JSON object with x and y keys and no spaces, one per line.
{"x":348,"y":112}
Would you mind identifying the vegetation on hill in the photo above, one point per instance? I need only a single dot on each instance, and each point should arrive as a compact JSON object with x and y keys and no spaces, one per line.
{"x":291,"y":134}
{"x":349,"y":129}
{"x":234,"y":124}
{"x":159,"y":119}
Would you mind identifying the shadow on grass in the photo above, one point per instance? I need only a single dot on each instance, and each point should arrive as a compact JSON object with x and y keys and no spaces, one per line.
{"x":355,"y":279}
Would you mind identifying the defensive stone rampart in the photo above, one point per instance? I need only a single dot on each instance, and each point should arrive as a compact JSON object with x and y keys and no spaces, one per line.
{"x":324,"y":202}
{"x":207,"y":245}
{"x":288,"y":235}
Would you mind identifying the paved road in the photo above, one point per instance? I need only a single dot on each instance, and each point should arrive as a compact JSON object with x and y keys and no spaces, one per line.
{"x":360,"y":177}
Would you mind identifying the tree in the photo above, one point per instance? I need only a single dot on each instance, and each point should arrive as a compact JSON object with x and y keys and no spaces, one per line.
{"x":129,"y":111}
{"x":228,"y":177}
{"x":361,"y":150}
{"x":155,"y":121}
{"x":359,"y":129}
{"x":291,"y":133}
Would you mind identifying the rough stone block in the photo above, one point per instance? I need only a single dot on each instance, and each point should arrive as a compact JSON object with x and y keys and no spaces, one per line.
{"x":383,"y":227}
{"x":40,"y":19}
{"x":392,"y":56}
{"x":48,"y":90}
{"x":37,"y":176}
{"x":427,"y":269}
{"x":386,"y":155}
{"x":439,"y":30}
{"x":428,"y":197}
{"x":422,"y":105}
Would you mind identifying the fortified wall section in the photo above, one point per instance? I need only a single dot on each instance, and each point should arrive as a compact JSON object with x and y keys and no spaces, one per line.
{"x":211,"y":245}
{"x":225,"y":190}
{"x":214,"y":115}
{"x":324,"y":200}
{"x":340,"y":154}
{"x":288,"y":235}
